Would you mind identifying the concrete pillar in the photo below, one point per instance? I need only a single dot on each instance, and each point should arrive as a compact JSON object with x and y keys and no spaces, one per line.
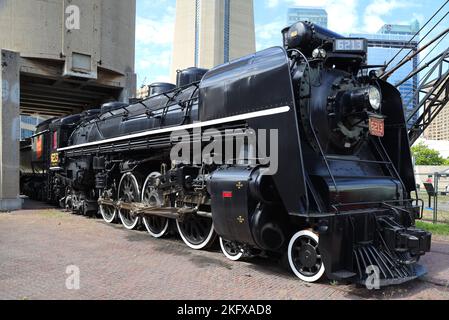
{"x":9,"y":130}
{"x":130,"y":87}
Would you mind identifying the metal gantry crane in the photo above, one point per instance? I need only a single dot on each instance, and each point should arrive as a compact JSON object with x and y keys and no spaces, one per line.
{"x":433,"y":89}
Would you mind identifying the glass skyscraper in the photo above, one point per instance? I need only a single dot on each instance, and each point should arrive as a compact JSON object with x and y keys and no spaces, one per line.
{"x":317,"y":16}
{"x":384,"y":45}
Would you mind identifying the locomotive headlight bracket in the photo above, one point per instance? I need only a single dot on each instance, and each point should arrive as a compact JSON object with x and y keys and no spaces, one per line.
{"x":375,"y":97}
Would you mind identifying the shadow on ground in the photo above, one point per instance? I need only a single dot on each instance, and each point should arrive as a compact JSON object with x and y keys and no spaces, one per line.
{"x":30,"y":205}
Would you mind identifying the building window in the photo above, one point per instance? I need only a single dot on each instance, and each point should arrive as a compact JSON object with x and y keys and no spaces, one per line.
{"x":29,"y":120}
{"x":197,"y":31}
{"x":227,"y":18}
{"x":24,"y":133}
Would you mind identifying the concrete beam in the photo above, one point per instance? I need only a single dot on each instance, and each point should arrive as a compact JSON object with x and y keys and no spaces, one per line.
{"x":9,"y":131}
{"x":51,"y":69}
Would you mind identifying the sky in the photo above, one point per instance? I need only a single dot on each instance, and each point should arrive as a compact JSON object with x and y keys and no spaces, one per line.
{"x":155,"y":25}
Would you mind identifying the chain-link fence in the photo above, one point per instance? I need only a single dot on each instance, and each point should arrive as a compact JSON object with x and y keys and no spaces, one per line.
{"x":434,"y":191}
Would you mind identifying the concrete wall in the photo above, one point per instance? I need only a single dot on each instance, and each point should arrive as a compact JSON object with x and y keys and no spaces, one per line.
{"x":71,"y":55}
{"x":9,"y":130}
{"x":37,"y":29}
{"x":242,"y":33}
{"x":184,"y":37}
{"x":211,"y":33}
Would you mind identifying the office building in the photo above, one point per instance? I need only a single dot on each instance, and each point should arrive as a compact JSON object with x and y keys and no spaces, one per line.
{"x":439,"y":128}
{"x":143,"y":92}
{"x":317,"y":16}
{"x":28,"y":125}
{"x":386,"y":44}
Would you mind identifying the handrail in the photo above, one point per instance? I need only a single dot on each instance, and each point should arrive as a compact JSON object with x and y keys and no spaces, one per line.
{"x":311,"y":123}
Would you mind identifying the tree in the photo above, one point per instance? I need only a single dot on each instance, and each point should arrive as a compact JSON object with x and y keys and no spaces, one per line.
{"x":424,"y":156}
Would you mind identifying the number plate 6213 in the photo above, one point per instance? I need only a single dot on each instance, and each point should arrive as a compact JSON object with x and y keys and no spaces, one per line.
{"x":377,"y":127}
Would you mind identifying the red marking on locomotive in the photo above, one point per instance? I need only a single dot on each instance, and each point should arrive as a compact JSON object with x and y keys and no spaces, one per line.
{"x":39,"y":147}
{"x":55,"y":140}
{"x":227,"y":194}
{"x":377,"y":127}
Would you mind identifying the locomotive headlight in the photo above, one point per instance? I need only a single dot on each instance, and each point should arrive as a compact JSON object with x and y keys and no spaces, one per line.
{"x":375,"y":97}
{"x":319,"y":54}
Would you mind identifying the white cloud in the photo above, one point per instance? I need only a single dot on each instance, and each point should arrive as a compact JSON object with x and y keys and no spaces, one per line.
{"x":375,"y":12}
{"x":272,"y":3}
{"x":266,"y":31}
{"x":154,"y":58}
{"x":154,"y":42}
{"x":153,"y":64}
{"x":344,"y":14}
{"x":155,"y":32}
{"x":163,"y":79}
{"x":343,"y":17}
{"x":269,"y":34}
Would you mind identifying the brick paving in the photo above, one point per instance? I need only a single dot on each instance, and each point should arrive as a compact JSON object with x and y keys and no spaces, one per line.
{"x":37,"y":245}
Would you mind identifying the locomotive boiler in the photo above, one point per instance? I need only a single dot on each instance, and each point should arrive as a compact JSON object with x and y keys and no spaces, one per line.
{"x":340,"y":201}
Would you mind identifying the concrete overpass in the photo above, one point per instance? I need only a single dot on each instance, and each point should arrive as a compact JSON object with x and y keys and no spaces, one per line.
{"x":59,"y":57}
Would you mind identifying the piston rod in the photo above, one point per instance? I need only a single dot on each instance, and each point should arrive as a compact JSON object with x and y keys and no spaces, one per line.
{"x":141,"y":209}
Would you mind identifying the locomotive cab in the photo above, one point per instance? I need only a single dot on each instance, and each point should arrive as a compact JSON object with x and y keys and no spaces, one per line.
{"x":59,"y":132}
{"x":36,"y":152}
{"x":41,"y":143}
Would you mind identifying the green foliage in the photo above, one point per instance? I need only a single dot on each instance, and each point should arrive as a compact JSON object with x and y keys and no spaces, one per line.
{"x":424,"y":156}
{"x":439,"y":229}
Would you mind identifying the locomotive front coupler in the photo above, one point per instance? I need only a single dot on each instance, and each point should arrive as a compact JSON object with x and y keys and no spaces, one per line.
{"x":402,"y":240}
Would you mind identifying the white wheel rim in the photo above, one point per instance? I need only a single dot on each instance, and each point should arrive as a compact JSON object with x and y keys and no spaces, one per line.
{"x":68,"y":203}
{"x":316,"y":277}
{"x":229,"y":256}
{"x":129,"y":226}
{"x":199,"y":246}
{"x":136,"y":219}
{"x":164,"y":230}
{"x":156,"y":235}
{"x":104,"y":215}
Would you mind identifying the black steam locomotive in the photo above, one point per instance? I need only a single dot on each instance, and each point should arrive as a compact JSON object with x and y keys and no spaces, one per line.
{"x":337,"y":203}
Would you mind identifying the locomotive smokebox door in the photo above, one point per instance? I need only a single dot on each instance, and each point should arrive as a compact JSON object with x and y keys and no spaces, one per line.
{"x":232,"y":204}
